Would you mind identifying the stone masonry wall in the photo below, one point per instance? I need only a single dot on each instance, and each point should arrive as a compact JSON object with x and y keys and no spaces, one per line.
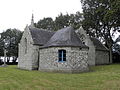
{"x":89,"y":43}
{"x":91,"y":52}
{"x":76,"y":60}
{"x":35,"y":54}
{"x":28,"y":60}
{"x":102,"y":57}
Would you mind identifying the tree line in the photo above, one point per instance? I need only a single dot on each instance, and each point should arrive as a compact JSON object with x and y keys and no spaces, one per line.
{"x":61,"y":21}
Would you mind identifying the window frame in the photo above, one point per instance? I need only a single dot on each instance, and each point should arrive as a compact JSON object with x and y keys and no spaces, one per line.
{"x":61,"y":55}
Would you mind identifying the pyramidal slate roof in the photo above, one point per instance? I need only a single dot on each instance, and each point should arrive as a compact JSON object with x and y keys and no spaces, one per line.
{"x":98,"y":45}
{"x":40,"y":36}
{"x":65,"y":37}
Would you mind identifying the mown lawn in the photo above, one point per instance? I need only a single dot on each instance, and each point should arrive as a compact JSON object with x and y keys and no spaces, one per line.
{"x":106,"y":77}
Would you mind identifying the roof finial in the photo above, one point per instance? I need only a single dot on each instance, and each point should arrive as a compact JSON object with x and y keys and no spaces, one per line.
{"x":32,"y":20}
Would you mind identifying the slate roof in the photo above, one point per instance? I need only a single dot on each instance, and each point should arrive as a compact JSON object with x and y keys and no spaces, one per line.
{"x":98,"y":45}
{"x":40,"y":36}
{"x":65,"y":37}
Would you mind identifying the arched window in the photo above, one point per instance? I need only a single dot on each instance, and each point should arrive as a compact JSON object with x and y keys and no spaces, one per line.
{"x":25,"y":45}
{"x":61,"y":55}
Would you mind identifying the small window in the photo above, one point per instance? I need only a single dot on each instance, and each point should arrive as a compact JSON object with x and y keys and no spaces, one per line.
{"x":25,"y":45}
{"x":61,"y":55}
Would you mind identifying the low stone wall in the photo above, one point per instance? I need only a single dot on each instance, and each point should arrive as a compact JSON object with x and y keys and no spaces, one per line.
{"x":76,"y":60}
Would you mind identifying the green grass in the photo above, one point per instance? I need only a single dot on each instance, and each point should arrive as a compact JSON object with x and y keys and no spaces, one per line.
{"x":106,"y":77}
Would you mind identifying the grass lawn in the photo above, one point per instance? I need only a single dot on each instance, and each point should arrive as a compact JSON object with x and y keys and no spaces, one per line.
{"x":106,"y":77}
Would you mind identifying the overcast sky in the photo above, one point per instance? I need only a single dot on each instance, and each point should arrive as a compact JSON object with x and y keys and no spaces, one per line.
{"x":17,"y":13}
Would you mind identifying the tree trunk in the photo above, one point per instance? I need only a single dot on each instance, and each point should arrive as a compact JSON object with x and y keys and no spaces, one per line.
{"x":109,"y":43}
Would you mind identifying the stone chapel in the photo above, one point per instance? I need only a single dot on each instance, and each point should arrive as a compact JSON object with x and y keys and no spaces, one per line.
{"x":66,"y":50}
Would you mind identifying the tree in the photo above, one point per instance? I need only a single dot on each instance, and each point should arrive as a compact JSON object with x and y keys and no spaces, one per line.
{"x":68,"y":20}
{"x":101,"y":18}
{"x":45,"y":23}
{"x":116,"y":46}
{"x":78,"y":18}
{"x":116,"y":50}
{"x":12,"y":36}
{"x":1,"y":47}
{"x":61,"y":21}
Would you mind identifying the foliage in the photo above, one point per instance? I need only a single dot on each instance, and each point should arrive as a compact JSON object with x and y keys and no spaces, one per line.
{"x":12,"y":37}
{"x":102,"y":19}
{"x":116,"y":46}
{"x":105,"y":77}
{"x":45,"y":23}
{"x":61,"y":21}
{"x":1,"y":47}
{"x":113,"y":14}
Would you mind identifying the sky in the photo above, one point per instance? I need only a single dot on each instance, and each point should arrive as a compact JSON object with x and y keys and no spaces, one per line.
{"x":18,"y":13}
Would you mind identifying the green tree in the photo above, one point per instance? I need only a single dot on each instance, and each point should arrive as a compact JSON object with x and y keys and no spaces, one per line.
{"x":116,"y":46}
{"x":61,"y":21}
{"x":45,"y":23}
{"x":101,"y":18}
{"x":77,"y":20}
{"x":1,"y":47}
{"x":12,"y":36}
{"x":68,"y":20}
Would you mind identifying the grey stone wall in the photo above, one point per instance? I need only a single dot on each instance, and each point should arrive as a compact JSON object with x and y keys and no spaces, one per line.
{"x":91,"y":52}
{"x":76,"y":60}
{"x":102,"y":57}
{"x":89,"y":43}
{"x":95,"y":57}
{"x":35,"y":54}
{"x":28,"y":60}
